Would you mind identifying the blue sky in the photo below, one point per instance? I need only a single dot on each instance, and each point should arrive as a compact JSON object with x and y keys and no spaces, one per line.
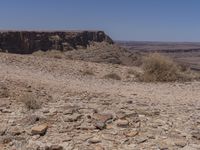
{"x":141,"y":20}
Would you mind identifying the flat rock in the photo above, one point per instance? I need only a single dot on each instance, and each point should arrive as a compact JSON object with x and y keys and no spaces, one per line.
{"x":122,"y":123}
{"x":55,"y":147}
{"x":196,"y":134}
{"x":45,"y":111}
{"x":131,"y":133}
{"x":188,"y":147}
{"x":100,"y":125}
{"x":99,"y":147}
{"x":39,"y":129}
{"x":69,"y":111}
{"x":3,"y":129}
{"x":94,"y":140}
{"x":6,"y":111}
{"x":15,"y":131}
{"x":140,"y":140}
{"x":72,"y":118}
{"x":29,"y":120}
{"x":180,"y":143}
{"x":102,"y":117}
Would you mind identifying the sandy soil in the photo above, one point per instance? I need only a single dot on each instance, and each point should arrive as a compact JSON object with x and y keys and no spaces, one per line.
{"x":86,"y":111}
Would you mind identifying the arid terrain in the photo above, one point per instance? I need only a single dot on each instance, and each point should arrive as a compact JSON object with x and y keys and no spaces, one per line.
{"x":69,"y":101}
{"x":187,"y":53}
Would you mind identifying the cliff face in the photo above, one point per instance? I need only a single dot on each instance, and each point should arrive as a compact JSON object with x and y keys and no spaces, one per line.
{"x":26,"y":42}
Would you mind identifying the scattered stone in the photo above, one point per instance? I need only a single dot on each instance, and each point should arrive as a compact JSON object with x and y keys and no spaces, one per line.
{"x":4,"y":103}
{"x":66,"y":139}
{"x":122,"y":123}
{"x":86,"y":127}
{"x":3,"y":129}
{"x":188,"y":147}
{"x":163,"y":147}
{"x":100,"y":125}
{"x":131,"y":133}
{"x":72,"y":118}
{"x":94,"y":140}
{"x":35,"y":137}
{"x":55,"y":147}
{"x":142,"y":116}
{"x":196,"y":134}
{"x":129,"y":147}
{"x":12,"y":122}
{"x":29,"y":120}
{"x":99,"y":147}
{"x":4,"y":92}
{"x":6,"y":111}
{"x":129,"y":102}
{"x":103,"y":117}
{"x":2,"y":146}
{"x":15,"y":131}
{"x":140,"y":140}
{"x":6,"y":140}
{"x":151,"y":136}
{"x":45,"y":111}
{"x":148,"y":112}
{"x":180,"y":143}
{"x":68,"y":111}
{"x":39,"y":129}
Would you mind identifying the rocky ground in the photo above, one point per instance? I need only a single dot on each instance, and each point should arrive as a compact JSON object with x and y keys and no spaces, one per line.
{"x":54,"y":104}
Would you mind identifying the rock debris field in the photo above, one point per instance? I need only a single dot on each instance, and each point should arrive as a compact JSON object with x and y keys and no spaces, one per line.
{"x":57,"y":104}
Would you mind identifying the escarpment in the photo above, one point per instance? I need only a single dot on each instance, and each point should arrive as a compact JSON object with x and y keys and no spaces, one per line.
{"x":27,"y":42}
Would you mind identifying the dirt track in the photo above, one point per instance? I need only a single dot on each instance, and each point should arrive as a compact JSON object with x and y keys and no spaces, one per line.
{"x":162,"y":115}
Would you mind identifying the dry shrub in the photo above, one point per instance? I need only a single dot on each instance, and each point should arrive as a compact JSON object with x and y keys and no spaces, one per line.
{"x":30,"y":101}
{"x":50,"y":53}
{"x":131,"y":71}
{"x":4,"y":92}
{"x":135,"y":73}
{"x":87,"y":72}
{"x":113,"y":76}
{"x":160,"y":68}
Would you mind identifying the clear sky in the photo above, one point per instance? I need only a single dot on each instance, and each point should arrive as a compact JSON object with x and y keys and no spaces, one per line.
{"x":146,"y":20}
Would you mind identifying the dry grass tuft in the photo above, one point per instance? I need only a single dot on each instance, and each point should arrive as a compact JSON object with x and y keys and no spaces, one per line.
{"x":50,"y":53}
{"x":133,"y":74}
{"x":86,"y":71}
{"x":4,"y":92}
{"x":30,"y":101}
{"x":161,"y":68}
{"x":113,"y":76}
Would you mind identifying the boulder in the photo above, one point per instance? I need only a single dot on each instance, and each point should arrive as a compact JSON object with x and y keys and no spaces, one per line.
{"x":39,"y":129}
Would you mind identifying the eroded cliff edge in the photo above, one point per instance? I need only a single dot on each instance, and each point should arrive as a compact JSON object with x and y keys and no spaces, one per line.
{"x":27,"y":42}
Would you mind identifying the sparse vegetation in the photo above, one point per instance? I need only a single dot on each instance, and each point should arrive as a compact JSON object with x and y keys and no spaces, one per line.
{"x":113,"y":76}
{"x":160,"y":68}
{"x":87,"y":72}
{"x":4,"y":92}
{"x":51,"y":53}
{"x":133,"y":73}
{"x":30,"y":101}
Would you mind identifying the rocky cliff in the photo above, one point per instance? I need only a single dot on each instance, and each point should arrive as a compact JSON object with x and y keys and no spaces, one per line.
{"x":27,"y":42}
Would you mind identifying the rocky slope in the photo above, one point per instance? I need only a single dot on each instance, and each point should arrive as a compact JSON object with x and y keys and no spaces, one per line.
{"x":81,"y":110}
{"x":26,"y":42}
{"x":96,"y":52}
